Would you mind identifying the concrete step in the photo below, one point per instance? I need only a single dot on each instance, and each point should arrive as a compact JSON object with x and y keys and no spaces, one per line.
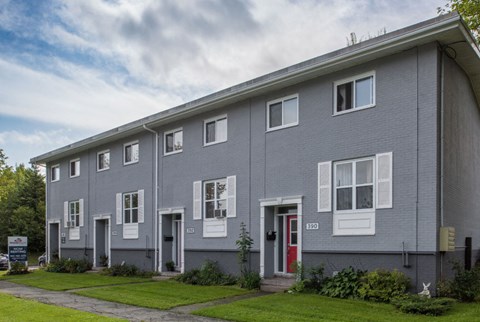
{"x":166,"y":275}
{"x":276,"y":284}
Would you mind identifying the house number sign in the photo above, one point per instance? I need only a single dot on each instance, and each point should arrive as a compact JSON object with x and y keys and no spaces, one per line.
{"x":312,"y":226}
{"x":190,"y":230}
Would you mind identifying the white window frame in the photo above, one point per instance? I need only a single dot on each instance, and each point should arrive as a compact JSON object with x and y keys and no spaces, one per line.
{"x":74,"y":216}
{"x":124,"y":154}
{"x":98,"y":161}
{"x":131,"y":208}
{"x":215,"y":119}
{"x":215,"y":199}
{"x":173,"y":132}
{"x":77,"y":168}
{"x":282,"y":100}
{"x":55,"y":168}
{"x":354,"y":79}
{"x":354,"y":186}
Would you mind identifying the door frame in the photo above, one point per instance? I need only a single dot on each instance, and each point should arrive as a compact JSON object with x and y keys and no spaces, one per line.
{"x":178,"y":265}
{"x":280,"y":201}
{"x":108,"y":218}
{"x":284,"y":246}
{"x":159,"y":239}
{"x":50,"y":222}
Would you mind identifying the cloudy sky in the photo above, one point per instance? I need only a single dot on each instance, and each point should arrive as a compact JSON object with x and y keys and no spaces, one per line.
{"x":71,"y":69}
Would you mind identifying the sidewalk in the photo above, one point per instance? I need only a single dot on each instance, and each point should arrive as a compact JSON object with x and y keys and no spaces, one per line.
{"x":110,"y":309}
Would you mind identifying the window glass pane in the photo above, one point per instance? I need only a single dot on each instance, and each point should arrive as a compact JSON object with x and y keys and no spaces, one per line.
{"x":77,"y":207}
{"x":178,"y":142}
{"x":365,"y":197}
{"x":128,"y":153}
{"x":363,"y":92}
{"x":344,"y":97}
{"x":100,"y":161}
{"x":210,"y":191}
{"x":210,"y":132}
{"x":293,"y":225}
{"x":169,"y":142}
{"x":364,"y":172}
{"x":135,"y":152}
{"x":134,"y":215}
{"x":134,"y":200}
{"x":209,"y":207}
{"x":287,"y":210}
{"x":290,"y":109}
{"x":72,"y":208}
{"x":275,"y":114}
{"x":127,"y":216}
{"x":343,"y":174}
{"x":221,"y":190}
{"x":72,"y":168}
{"x":77,"y":220}
{"x":344,"y":198}
{"x":126,"y":201}
{"x":106,"y":160}
{"x":293,"y":238}
{"x":222,"y":204}
{"x":221,"y":130}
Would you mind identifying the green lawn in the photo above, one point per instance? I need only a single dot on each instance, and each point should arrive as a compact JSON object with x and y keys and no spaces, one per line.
{"x":311,"y":307}
{"x":65,"y":281}
{"x":14,"y":309}
{"x":162,"y":294}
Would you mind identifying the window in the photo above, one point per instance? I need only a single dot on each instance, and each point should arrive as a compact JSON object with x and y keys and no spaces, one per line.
{"x":173,"y":141}
{"x":130,"y":207}
{"x":130,"y":153}
{"x":55,"y":172}
{"x":74,"y":213}
{"x":103,"y":160}
{"x":215,"y":130}
{"x":215,"y":198}
{"x":354,"y":188}
{"x":355,"y":93}
{"x":282,"y":113}
{"x":74,"y":168}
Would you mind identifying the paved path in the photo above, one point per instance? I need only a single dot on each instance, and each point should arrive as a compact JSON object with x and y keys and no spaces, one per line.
{"x":110,"y":309}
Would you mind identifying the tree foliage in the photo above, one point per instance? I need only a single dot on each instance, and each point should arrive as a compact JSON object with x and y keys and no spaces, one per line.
{"x":470,"y":12}
{"x":22,"y":204}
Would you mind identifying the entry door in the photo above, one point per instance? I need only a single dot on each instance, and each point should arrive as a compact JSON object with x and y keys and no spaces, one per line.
{"x":292,"y":239}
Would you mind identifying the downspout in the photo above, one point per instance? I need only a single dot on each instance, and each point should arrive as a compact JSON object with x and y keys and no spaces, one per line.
{"x":156,"y":196}
{"x":442,"y":145}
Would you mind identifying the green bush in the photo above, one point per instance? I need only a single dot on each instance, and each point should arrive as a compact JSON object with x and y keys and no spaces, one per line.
{"x":416,"y":304}
{"x":312,"y":284}
{"x":382,"y":285}
{"x":465,"y":286}
{"x":208,"y":274}
{"x":250,"y":280}
{"x":17,"y":268}
{"x":343,"y":285}
{"x":69,"y":266}
{"x":126,"y":271}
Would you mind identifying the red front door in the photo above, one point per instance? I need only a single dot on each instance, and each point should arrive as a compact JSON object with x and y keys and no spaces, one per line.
{"x":292,"y":239}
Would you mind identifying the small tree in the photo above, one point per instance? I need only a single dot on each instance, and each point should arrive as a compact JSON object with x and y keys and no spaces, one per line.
{"x":244,"y":244}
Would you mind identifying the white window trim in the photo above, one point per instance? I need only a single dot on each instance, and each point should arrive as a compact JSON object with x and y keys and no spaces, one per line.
{"x":283,"y":126}
{"x":216,"y":118}
{"x":98,"y":163}
{"x":127,"y":144}
{"x":131,"y":207}
{"x":352,"y":79}
{"x":165,"y":141}
{"x":51,"y":170}
{"x":215,"y":200}
{"x":70,"y":168}
{"x":354,"y":211}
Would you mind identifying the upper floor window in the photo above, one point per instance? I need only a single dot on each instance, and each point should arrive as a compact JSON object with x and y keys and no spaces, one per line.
{"x":74,"y":168}
{"x":354,"y":93}
{"x":282,"y":112}
{"x":130,"y":152}
{"x":173,"y":141}
{"x":103,"y":160}
{"x":215,"y":198}
{"x":215,"y":130}
{"x":55,"y":173}
{"x":74,"y":213}
{"x":130,"y":207}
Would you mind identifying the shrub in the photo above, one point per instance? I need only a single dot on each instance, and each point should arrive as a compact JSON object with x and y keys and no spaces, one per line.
{"x":465,"y":286}
{"x":343,"y":285}
{"x":312,"y":284}
{"x":17,"y":268}
{"x":126,"y":271}
{"x":416,"y":304}
{"x":382,"y":285}
{"x":69,"y":266}
{"x":250,"y":280}
{"x":208,"y":274}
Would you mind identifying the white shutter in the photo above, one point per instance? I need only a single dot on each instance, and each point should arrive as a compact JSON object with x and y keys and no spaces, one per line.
{"x":119,"y":209}
{"x":324,"y":186}
{"x":384,"y":180}
{"x":197,"y":200}
{"x":141,"y":211}
{"x":231,"y":197}
{"x":65,"y":214}
{"x":80,"y":213}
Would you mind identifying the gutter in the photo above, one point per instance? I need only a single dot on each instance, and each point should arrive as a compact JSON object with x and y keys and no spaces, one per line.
{"x":156,"y":195}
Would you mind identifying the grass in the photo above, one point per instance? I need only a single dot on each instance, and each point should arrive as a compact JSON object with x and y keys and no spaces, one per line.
{"x":14,"y":309}
{"x":161,"y":295}
{"x":65,"y":281}
{"x":311,"y":307}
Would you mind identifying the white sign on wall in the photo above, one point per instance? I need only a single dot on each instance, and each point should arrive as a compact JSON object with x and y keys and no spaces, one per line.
{"x":312,"y":226}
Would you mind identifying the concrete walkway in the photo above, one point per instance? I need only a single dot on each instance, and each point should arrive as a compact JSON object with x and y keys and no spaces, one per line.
{"x":110,"y":309}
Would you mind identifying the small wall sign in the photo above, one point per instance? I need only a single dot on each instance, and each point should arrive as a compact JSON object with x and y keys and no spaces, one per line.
{"x":114,"y":233}
{"x":190,"y":230}
{"x":312,"y":226}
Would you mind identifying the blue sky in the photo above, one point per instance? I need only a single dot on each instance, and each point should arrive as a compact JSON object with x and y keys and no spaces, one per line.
{"x":71,"y":69}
